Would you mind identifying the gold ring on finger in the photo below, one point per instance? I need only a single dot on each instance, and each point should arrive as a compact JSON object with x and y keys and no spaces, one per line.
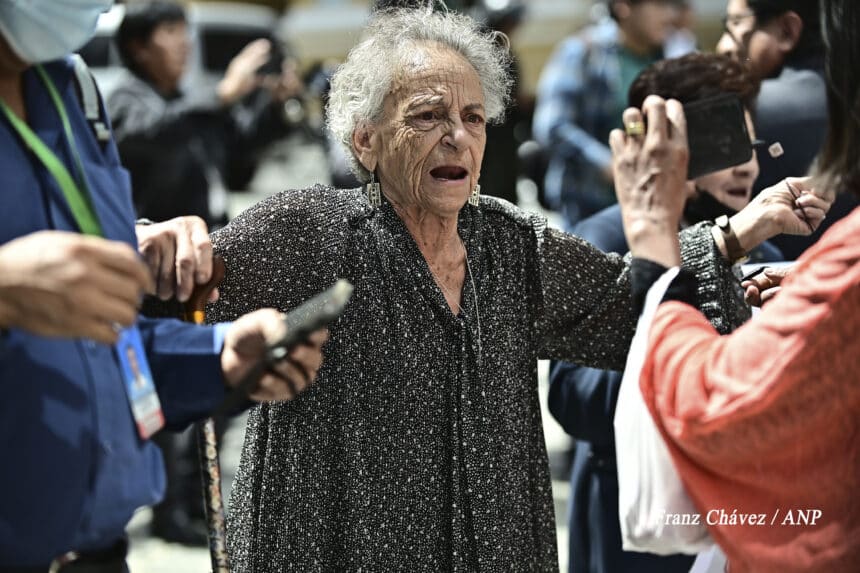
{"x":635,"y":128}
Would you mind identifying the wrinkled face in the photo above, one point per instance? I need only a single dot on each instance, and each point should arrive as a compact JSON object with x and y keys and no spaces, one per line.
{"x":652,"y":21}
{"x":428,"y":146}
{"x":733,"y":186}
{"x":744,"y":40}
{"x":164,"y":57}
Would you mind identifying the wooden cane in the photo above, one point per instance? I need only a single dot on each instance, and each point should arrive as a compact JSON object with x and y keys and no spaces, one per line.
{"x":207,"y":440}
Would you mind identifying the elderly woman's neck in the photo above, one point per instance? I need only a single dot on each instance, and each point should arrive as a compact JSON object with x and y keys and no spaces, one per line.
{"x":435,"y":235}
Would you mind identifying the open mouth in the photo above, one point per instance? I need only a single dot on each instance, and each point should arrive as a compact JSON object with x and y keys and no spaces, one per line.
{"x":740,"y":192}
{"x":449,"y":173}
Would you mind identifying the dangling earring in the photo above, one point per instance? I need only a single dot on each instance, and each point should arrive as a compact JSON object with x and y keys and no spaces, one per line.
{"x":374,"y":192}
{"x":475,"y":197}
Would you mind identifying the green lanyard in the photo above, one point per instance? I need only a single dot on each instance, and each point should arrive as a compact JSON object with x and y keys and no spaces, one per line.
{"x":75,"y":192}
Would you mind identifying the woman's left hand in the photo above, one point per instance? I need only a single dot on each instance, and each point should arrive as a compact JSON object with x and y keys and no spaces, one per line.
{"x":650,"y":172}
{"x":792,"y":206}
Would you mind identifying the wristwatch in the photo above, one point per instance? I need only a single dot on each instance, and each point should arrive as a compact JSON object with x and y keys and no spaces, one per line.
{"x":735,"y":252}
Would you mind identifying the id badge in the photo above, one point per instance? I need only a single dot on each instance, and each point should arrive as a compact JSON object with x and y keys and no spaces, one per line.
{"x":139,"y":387}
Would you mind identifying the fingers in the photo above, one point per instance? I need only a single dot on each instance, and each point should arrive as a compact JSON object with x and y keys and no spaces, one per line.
{"x":806,"y":185}
{"x":677,"y":120}
{"x":616,"y":142}
{"x":813,"y":201}
{"x":289,"y":377}
{"x":185,"y":264}
{"x":812,"y":207}
{"x":758,"y":298}
{"x":107,"y":310}
{"x":152,"y":258}
{"x":632,"y":117}
{"x":254,"y":55}
{"x":764,"y":286}
{"x":178,"y":254}
{"x":770,"y":278}
{"x":98,"y":331}
{"x":167,"y":269}
{"x":777,"y":274}
{"x":202,"y":245}
{"x":116,"y":256}
{"x":752,"y":296}
{"x":76,"y":286}
{"x":104,"y":281}
{"x":654,"y":109}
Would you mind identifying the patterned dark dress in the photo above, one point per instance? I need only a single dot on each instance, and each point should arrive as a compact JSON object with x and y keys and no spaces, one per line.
{"x":420,"y":447}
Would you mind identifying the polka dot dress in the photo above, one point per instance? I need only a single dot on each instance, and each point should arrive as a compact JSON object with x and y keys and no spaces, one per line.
{"x":420,"y":446}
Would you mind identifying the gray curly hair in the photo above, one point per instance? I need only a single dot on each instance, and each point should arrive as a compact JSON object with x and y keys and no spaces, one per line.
{"x":360,"y":84}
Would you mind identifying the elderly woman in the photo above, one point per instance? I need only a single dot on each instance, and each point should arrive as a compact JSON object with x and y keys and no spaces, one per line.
{"x":420,"y":446}
{"x":764,"y":422}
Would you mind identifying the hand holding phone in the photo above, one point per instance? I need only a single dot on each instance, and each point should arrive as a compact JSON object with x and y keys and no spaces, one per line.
{"x":314,"y":314}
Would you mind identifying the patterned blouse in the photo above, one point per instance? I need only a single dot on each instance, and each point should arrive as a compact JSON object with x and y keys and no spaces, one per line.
{"x":420,"y":445}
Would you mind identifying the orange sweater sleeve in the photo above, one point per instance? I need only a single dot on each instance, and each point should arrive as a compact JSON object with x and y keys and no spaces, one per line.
{"x":710,"y":394}
{"x":763,"y":421}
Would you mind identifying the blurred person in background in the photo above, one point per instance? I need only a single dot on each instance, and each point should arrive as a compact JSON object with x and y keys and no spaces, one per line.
{"x":176,"y":143}
{"x":683,"y":39}
{"x":580,"y":97}
{"x":501,"y":161}
{"x":762,"y":422}
{"x":781,"y":41}
{"x":583,"y":399}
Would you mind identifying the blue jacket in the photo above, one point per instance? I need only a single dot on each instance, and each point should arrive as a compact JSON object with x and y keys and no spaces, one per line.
{"x":73,"y":467}
{"x":575,"y":110}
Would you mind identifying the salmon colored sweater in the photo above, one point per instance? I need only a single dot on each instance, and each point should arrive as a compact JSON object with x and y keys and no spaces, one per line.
{"x":765,"y":422}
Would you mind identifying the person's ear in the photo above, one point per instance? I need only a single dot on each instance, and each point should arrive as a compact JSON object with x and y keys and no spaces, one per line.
{"x":364,"y":142}
{"x":789,"y":31}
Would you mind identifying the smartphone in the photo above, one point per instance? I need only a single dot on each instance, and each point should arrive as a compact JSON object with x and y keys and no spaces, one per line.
{"x":312,"y":315}
{"x":717,"y":135}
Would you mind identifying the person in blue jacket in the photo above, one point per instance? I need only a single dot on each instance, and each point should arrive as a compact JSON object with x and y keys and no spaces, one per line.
{"x":583,"y":399}
{"x":581,"y":94}
{"x":74,"y":419}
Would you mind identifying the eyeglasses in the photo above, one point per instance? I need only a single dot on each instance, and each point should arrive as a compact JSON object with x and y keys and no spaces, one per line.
{"x":731,"y":22}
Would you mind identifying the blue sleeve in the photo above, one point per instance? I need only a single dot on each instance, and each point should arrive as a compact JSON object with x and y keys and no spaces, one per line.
{"x":556,"y":118}
{"x":186,"y":364}
{"x":583,"y":399}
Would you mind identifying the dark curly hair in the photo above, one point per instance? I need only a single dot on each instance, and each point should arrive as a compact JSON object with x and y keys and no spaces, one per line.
{"x":695,"y":77}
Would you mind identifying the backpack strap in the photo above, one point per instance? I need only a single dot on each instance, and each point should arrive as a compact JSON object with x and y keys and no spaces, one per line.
{"x":90,"y":99}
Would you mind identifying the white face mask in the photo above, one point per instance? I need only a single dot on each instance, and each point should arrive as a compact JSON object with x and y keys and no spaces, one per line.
{"x":44,"y":30}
